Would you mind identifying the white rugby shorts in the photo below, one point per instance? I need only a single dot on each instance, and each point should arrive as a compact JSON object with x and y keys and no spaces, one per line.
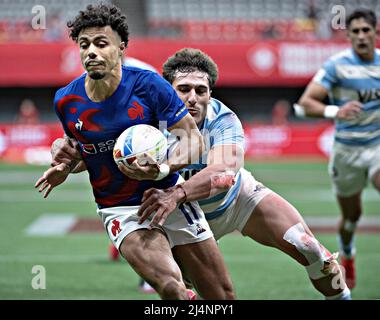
{"x":350,"y":167}
{"x":237,"y":214}
{"x":186,"y":224}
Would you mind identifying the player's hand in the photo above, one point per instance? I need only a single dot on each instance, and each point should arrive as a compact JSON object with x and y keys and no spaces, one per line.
{"x":349,"y":111}
{"x":65,"y":150}
{"x":52,"y":178}
{"x":144,"y":168}
{"x":163,"y":202}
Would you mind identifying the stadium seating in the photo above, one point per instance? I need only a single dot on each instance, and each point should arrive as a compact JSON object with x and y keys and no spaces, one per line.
{"x":247,"y":19}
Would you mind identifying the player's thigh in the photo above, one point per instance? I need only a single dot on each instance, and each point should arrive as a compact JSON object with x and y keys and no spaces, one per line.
{"x":203,"y":264}
{"x":376,"y":180}
{"x":149,"y":253}
{"x":348,"y":170}
{"x":269,"y":222}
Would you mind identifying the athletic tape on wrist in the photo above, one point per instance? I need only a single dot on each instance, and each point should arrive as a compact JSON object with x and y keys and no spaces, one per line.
{"x":164,"y":171}
{"x":330,"y":112}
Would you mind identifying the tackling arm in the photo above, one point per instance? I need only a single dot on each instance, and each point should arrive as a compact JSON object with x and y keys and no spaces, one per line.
{"x":190,"y":146}
{"x":224,"y":162}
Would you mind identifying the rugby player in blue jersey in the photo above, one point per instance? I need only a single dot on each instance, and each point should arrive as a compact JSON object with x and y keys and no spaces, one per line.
{"x":228,"y":194}
{"x":94,"y":110}
{"x":351,"y":80}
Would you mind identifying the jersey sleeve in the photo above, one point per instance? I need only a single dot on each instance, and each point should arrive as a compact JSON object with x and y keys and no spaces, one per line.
{"x":58,"y":96}
{"x":326,"y":75}
{"x":227,"y":130}
{"x":165,"y":101}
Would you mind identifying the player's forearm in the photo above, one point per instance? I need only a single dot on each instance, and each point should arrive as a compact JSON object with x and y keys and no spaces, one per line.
{"x":78,"y":166}
{"x":312,"y":107}
{"x":207,"y":183}
{"x":187,"y":152}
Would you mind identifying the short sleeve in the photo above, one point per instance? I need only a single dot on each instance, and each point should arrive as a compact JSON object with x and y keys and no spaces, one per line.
{"x":227,"y":130}
{"x":59,"y":111}
{"x":165,"y":101}
{"x":326,"y":76}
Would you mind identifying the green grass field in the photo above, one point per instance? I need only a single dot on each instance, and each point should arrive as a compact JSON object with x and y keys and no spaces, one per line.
{"x":77,"y":265}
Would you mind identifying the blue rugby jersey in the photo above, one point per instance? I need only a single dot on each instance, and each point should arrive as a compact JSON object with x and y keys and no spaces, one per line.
{"x":348,"y":78}
{"x":220,"y":127}
{"x":142,"y":97}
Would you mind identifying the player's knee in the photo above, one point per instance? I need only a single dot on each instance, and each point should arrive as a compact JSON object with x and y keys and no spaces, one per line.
{"x":320,"y":262}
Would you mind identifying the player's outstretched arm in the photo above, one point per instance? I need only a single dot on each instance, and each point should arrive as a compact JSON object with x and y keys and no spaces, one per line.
{"x":190,"y":146}
{"x":224,"y":162}
{"x":52,"y":178}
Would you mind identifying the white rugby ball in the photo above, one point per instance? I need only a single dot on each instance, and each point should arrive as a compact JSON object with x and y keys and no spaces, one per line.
{"x":138,"y":140}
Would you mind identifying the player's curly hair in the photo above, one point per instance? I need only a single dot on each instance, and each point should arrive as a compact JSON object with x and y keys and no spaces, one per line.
{"x":189,"y":60}
{"x":100,"y":15}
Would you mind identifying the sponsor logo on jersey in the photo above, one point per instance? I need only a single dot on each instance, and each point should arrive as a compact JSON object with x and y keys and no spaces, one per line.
{"x":104,"y":146}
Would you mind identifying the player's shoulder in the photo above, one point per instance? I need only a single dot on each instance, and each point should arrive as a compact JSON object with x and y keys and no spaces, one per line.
{"x":74,"y":87}
{"x":137,"y":71}
{"x":377,"y":52}
{"x":218,"y":108}
{"x":217,"y":113}
{"x":141,"y":76}
{"x":342,"y":56}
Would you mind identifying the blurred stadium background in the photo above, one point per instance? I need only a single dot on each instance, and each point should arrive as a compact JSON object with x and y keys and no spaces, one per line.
{"x":266,"y":51}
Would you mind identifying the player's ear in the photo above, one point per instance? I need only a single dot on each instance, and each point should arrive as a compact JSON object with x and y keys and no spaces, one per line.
{"x":122,"y":48}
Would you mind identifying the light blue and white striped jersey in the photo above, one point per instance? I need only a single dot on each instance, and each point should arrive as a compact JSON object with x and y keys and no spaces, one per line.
{"x":348,"y":78}
{"x":220,"y":127}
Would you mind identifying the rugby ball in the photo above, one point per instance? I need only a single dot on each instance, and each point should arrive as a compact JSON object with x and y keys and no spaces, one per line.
{"x":138,"y":140}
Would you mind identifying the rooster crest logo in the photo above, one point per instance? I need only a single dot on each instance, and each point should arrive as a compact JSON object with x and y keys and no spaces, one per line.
{"x":79,"y":125}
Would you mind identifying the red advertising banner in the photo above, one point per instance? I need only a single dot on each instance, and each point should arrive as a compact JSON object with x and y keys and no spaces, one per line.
{"x":295,"y":140}
{"x":265,"y":63}
{"x":28,"y":143}
{"x":31,"y":144}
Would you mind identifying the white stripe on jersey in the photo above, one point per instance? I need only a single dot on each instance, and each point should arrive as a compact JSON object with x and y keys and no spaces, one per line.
{"x":345,"y":71}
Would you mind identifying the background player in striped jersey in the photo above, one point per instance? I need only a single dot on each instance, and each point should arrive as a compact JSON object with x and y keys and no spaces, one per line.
{"x":232,"y":199}
{"x":93,"y":110}
{"x":351,"y":80}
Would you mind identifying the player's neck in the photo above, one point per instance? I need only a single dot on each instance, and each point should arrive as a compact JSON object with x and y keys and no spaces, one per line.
{"x":100,"y":90}
{"x":369,"y":57}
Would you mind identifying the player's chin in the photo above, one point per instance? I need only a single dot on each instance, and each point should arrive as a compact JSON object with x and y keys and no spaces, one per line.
{"x":96,"y":75}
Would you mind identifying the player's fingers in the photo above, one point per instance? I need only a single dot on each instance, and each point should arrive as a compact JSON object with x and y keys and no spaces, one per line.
{"x":43,"y":187}
{"x":48,"y":190}
{"x":39,"y":181}
{"x":128,"y":172}
{"x":148,"y":193}
{"x":356,"y":104}
{"x":147,"y":212}
{"x":144,"y":206}
{"x":149,"y":159}
{"x":160,"y":217}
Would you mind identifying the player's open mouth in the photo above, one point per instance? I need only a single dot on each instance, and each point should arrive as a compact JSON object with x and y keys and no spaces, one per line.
{"x":193,"y":112}
{"x":93,"y":64}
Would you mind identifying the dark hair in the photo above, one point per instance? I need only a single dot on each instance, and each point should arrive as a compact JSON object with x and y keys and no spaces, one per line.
{"x":368,"y":15}
{"x":190,"y":60}
{"x":100,"y":15}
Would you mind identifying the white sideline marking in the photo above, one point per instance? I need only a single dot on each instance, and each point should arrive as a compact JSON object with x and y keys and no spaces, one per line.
{"x":51,"y":225}
{"x":61,"y":258}
{"x":314,"y":222}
